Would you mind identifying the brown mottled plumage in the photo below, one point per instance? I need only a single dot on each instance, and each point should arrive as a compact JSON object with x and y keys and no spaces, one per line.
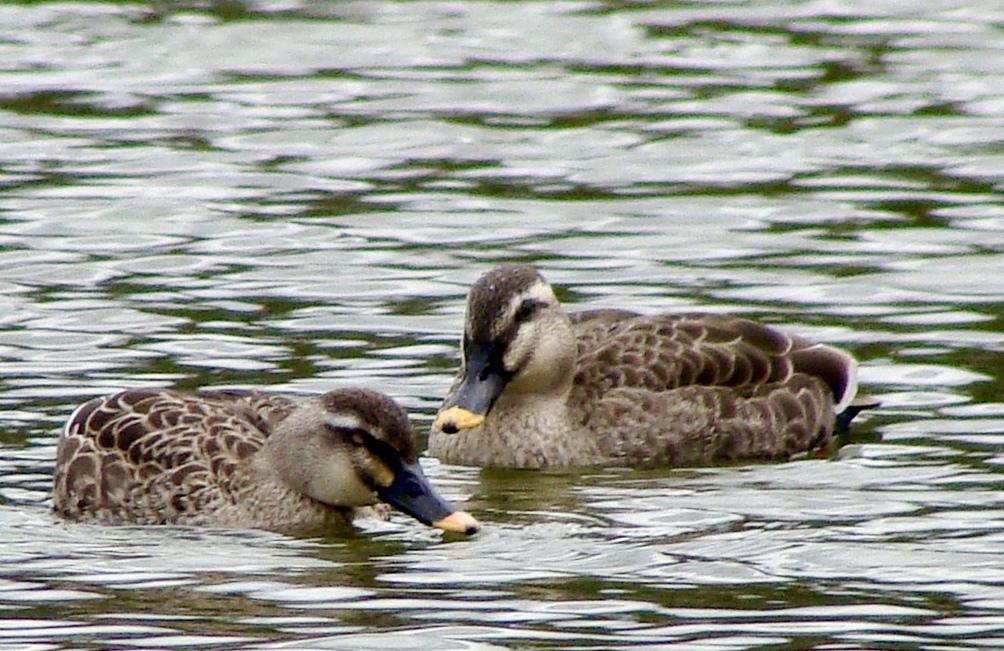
{"x":241,"y":459}
{"x":540,"y":389}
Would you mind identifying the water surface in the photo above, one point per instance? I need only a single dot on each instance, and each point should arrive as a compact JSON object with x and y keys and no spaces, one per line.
{"x":296,"y":196}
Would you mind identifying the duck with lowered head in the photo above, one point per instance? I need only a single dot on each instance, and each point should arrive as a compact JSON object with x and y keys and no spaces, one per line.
{"x":235,"y":458}
{"x":539,"y":388}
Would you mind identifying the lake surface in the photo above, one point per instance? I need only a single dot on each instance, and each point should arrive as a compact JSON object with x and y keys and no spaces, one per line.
{"x":296,"y":195}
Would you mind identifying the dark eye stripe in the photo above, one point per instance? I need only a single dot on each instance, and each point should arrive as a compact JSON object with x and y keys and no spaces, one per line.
{"x":527,"y":308}
{"x":363,"y":438}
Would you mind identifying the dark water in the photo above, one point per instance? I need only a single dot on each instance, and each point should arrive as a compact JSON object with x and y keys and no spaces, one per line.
{"x":296,"y":195}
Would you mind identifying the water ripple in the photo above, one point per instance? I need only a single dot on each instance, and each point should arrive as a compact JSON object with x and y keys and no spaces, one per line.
{"x":297,"y":195}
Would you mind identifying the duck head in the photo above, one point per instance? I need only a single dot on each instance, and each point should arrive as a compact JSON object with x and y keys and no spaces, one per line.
{"x":517,"y":340}
{"x":352,"y":447}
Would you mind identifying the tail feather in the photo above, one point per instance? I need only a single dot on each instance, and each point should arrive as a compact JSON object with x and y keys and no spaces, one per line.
{"x":856,"y":406}
{"x":837,"y":368}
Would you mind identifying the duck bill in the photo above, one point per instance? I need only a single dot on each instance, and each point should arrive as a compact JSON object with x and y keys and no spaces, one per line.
{"x":412,"y":494}
{"x":481,"y":385}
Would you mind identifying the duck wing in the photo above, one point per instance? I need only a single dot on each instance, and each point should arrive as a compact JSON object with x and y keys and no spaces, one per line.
{"x":698,"y":425}
{"x":664,"y":352}
{"x":156,"y":456}
{"x":688,"y":389}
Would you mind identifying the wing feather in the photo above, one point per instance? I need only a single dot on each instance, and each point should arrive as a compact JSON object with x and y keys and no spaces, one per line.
{"x":149,"y":456}
{"x":685,"y":389}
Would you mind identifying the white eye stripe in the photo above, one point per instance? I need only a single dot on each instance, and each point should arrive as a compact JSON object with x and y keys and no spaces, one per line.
{"x":344,"y":421}
{"x":539,"y":291}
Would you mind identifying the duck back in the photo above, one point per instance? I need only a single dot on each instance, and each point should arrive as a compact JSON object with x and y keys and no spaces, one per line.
{"x":691,"y":389}
{"x":156,"y":456}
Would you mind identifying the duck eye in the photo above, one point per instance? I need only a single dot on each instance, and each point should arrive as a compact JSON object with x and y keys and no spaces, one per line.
{"x":362,"y":439}
{"x":356,"y":436}
{"x":527,"y":308}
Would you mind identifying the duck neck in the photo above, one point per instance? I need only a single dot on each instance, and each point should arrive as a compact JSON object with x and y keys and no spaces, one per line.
{"x":267,"y":496}
{"x":257,"y":494}
{"x":535,"y":429}
{"x":527,"y":431}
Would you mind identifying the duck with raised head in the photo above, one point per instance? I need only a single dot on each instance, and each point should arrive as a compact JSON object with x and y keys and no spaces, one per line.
{"x":538,"y":388}
{"x":247,"y":459}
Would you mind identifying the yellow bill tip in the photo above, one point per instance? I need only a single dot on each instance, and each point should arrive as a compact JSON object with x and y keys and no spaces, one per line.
{"x":458,"y":522}
{"x":455,"y":419}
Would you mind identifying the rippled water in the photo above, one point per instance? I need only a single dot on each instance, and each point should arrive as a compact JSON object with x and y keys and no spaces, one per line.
{"x":296,"y":194}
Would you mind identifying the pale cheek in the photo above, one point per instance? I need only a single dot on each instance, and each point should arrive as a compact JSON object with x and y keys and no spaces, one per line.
{"x":339,"y":485}
{"x":526,"y":360}
{"x":549,"y":366}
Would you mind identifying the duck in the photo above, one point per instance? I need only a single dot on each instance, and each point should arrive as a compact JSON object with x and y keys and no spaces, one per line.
{"x":240,"y":458}
{"x":539,"y":388}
